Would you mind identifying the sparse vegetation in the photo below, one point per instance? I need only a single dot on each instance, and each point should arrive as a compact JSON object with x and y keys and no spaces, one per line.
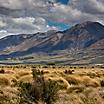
{"x":36,"y":84}
{"x":40,"y":90}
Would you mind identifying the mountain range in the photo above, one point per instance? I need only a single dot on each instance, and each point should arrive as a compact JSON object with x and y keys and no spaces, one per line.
{"x":81,"y":44}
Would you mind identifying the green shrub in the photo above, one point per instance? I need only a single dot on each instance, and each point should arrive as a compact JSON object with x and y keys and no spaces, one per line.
{"x":39,"y":90}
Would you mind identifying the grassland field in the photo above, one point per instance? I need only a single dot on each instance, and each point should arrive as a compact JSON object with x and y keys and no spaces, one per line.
{"x":77,"y":84}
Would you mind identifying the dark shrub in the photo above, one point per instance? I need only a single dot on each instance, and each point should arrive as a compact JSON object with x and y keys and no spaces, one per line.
{"x":38,"y":90}
{"x":51,"y":63}
{"x":45,"y":67}
{"x":2,"y":71}
{"x":68,"y":71}
{"x":102,"y":83}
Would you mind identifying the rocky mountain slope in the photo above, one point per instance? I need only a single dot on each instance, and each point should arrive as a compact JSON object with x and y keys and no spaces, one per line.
{"x":80,"y":38}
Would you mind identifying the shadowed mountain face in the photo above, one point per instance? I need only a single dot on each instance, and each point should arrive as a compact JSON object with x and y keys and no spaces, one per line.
{"x":85,"y":36}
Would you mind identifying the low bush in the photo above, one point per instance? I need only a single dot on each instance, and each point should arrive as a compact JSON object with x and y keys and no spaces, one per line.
{"x":39,"y":90}
{"x":102,"y":83}
{"x":2,"y":71}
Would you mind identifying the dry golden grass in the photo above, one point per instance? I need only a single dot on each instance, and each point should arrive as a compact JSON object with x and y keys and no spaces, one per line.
{"x":26,"y":78}
{"x":4,"y":81}
{"x":80,"y":87}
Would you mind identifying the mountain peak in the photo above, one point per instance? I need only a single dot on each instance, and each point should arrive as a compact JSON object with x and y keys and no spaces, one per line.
{"x":88,"y":27}
{"x":88,"y":23}
{"x":85,"y":36}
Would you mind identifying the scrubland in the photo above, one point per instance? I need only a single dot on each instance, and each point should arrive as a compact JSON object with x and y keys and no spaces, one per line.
{"x":51,"y":84}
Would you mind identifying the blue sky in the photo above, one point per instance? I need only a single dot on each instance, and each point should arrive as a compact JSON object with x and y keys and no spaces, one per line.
{"x":59,"y":25}
{"x":63,"y":1}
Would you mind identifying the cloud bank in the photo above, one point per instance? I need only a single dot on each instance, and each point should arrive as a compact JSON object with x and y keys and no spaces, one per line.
{"x":31,"y":16}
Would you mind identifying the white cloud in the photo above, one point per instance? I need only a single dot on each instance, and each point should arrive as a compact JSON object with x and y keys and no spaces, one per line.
{"x":79,"y":11}
{"x":94,"y":9}
{"x":4,"y":33}
{"x":68,"y":14}
{"x":21,"y":4}
{"x":89,"y":6}
{"x":21,"y":25}
{"x":2,"y":24}
{"x":30,"y":16}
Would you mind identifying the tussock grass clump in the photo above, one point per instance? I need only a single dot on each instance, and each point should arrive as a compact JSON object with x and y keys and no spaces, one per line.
{"x":62,"y":83}
{"x":76,"y":89}
{"x":91,"y":96}
{"x":7,"y":79}
{"x":88,"y":82}
{"x":22,"y":73}
{"x":26,"y":78}
{"x":68,"y":98}
{"x":4,"y":81}
{"x":8,"y":95}
{"x":92,"y":74}
{"x":73,"y":80}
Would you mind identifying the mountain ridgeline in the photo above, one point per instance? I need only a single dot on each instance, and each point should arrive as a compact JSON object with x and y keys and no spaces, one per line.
{"x":81,"y":38}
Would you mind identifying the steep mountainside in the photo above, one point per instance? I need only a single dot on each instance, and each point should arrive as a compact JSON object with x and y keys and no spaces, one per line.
{"x":85,"y":36}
